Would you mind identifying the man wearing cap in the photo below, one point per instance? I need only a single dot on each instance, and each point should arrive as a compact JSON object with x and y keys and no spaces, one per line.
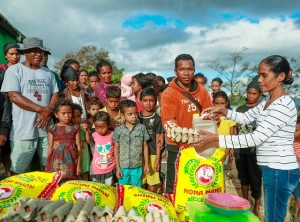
{"x":44,"y":63}
{"x":33,"y":91}
{"x":13,"y":57}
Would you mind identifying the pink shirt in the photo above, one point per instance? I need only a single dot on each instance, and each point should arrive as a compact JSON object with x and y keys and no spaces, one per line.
{"x":103,"y":158}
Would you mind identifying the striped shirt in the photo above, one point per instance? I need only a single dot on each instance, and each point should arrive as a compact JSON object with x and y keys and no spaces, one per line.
{"x":274,"y":135}
{"x":296,"y":146}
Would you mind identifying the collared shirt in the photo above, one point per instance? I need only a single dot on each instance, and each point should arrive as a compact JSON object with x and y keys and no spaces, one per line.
{"x":131,"y":144}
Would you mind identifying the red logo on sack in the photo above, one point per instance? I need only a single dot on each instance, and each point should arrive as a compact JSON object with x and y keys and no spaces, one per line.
{"x":205,"y":174}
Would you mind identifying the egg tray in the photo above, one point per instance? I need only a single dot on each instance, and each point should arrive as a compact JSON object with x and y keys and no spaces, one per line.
{"x":41,"y":210}
{"x":183,"y":135}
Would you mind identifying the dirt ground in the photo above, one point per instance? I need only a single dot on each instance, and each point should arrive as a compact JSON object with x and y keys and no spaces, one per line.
{"x":232,"y":184}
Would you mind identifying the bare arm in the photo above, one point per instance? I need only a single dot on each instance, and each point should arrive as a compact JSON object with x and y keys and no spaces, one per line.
{"x":50,"y":143}
{"x":117,"y":160}
{"x":146,"y":157}
{"x":79,"y":153}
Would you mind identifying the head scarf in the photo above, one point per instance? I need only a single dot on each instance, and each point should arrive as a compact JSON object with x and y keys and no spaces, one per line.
{"x":218,"y":80}
{"x":68,"y":73}
{"x":254,"y":84}
{"x":8,"y":46}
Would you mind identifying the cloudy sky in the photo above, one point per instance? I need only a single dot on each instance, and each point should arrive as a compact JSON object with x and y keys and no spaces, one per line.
{"x":147,"y":35}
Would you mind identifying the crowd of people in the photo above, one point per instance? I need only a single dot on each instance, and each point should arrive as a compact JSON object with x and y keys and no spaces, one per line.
{"x":89,"y":128}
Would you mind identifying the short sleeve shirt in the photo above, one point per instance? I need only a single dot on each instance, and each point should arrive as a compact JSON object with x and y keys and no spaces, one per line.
{"x":37,"y":86}
{"x":131,"y":144}
{"x":154,"y":127}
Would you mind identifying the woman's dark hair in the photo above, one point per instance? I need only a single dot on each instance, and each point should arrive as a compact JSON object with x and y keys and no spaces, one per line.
{"x":151,"y":74}
{"x":162,"y":79}
{"x":127,"y":103}
{"x":77,"y":107}
{"x":200,"y":75}
{"x":83,"y":70}
{"x":219,"y":80}
{"x":221,"y":94}
{"x":60,"y":103}
{"x":184,"y":57}
{"x":162,"y":88}
{"x":71,"y":61}
{"x":148,"y":91}
{"x":101,"y":63}
{"x":102,"y":116}
{"x":93,"y":74}
{"x":279,"y":64}
{"x":142,"y":80}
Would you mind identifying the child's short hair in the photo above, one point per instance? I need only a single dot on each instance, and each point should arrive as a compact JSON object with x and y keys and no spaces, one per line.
{"x":113,"y":92}
{"x":148,"y":91}
{"x":126,"y":104}
{"x":102,"y":116}
{"x":76,"y":107}
{"x":93,"y":102}
{"x":61,"y":102}
{"x":93,"y":74}
{"x":162,"y":88}
{"x":142,"y":80}
{"x":220,"y":94}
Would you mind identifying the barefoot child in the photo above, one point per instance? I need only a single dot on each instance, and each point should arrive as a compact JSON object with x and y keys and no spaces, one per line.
{"x":103,"y":162}
{"x":130,"y":146}
{"x":152,"y":122}
{"x":84,"y":141}
{"x":64,"y":150}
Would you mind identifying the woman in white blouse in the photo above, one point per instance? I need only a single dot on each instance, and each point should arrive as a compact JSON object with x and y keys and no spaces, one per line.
{"x":275,"y":117}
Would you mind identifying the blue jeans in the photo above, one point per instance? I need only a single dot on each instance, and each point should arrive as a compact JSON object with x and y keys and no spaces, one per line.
{"x":278,"y":187}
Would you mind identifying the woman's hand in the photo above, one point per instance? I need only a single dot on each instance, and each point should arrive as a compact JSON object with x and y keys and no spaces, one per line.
{"x":214,"y":113}
{"x":205,"y":138}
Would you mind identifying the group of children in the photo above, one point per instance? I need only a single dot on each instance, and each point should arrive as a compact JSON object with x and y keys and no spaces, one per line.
{"x":119,"y":143}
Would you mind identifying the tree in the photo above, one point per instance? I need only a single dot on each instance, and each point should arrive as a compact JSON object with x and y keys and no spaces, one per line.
{"x":88,"y":57}
{"x":236,"y":76}
{"x":293,"y":90}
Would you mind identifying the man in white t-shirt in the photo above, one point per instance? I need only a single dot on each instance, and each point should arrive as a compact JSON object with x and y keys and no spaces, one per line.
{"x":33,"y":91}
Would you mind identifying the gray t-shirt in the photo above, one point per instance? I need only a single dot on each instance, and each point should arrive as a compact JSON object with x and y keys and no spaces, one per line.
{"x":36,"y":85}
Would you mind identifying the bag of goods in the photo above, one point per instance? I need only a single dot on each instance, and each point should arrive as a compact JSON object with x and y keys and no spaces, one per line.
{"x":144,"y":202}
{"x":184,"y":217}
{"x":197,"y":176}
{"x":31,"y":185}
{"x":102,"y":194}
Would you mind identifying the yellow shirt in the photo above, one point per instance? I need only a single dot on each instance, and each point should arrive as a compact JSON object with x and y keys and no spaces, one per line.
{"x":225,"y":124}
{"x":118,"y":118}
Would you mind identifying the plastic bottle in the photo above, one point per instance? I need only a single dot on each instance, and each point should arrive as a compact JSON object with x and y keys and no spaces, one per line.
{"x":207,"y":125}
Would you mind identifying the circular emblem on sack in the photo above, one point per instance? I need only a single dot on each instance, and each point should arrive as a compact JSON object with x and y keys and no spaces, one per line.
{"x":83,"y":194}
{"x":205,"y":174}
{"x":151,"y":207}
{"x":6,"y":192}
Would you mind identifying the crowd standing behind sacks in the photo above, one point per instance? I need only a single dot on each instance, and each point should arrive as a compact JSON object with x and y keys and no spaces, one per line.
{"x":91,"y":129}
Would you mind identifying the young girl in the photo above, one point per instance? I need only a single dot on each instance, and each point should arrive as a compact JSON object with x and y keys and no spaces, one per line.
{"x":139,"y":82}
{"x":103,"y":163}
{"x":92,"y":108}
{"x":227,"y":127}
{"x":64,"y":150}
{"x":84,"y":141}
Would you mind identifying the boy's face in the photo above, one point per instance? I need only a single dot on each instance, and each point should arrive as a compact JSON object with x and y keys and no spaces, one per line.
{"x":112,"y":103}
{"x":159,"y":98}
{"x":297,"y":132}
{"x":148,"y":103}
{"x":93,"y":110}
{"x":130,"y":115}
{"x":76,"y":117}
{"x":93,"y":82}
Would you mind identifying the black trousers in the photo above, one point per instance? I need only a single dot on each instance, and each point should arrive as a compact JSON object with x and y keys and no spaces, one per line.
{"x":170,"y":177}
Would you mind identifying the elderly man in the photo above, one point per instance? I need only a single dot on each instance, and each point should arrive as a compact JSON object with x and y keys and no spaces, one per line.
{"x":33,"y":91}
{"x":180,"y":101}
